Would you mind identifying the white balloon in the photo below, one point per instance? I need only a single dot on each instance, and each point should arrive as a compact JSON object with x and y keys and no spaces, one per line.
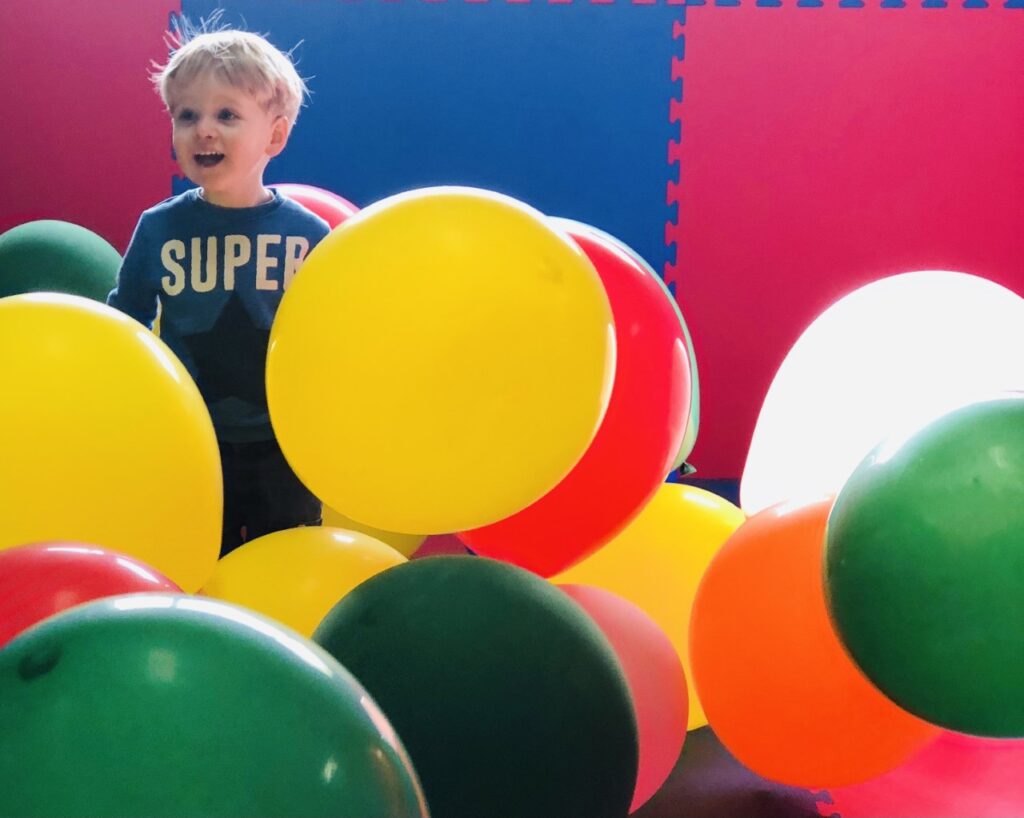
{"x":881,"y":360}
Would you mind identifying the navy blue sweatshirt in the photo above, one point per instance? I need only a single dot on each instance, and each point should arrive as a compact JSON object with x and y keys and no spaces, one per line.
{"x":218,"y":274}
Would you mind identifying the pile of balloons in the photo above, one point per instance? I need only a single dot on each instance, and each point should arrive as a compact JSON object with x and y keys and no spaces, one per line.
{"x":882,"y":614}
{"x":452,"y":360}
{"x":871,"y":600}
{"x":448,"y":360}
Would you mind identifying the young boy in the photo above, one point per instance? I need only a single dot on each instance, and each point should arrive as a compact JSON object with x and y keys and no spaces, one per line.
{"x":217,"y":259}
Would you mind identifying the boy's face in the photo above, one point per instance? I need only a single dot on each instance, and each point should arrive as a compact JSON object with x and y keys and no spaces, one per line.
{"x":223,"y":139}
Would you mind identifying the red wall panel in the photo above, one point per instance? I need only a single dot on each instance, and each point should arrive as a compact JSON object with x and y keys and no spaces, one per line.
{"x":823,"y":148}
{"x":84,"y":137}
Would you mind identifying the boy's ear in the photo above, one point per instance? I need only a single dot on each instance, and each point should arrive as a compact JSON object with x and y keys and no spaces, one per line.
{"x":279,"y":135}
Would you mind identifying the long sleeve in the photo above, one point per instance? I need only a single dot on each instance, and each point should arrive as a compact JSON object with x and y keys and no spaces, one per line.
{"x":135,"y":292}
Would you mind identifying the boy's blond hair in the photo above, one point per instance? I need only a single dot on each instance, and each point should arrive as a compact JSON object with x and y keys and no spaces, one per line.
{"x":240,"y":58}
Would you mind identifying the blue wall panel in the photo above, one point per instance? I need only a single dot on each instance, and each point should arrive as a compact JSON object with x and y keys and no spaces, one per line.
{"x":565,"y":106}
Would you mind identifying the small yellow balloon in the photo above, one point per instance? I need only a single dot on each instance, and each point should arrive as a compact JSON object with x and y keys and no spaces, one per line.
{"x":657,"y":563}
{"x":296,"y":576}
{"x":104,"y":438}
{"x":404,"y":544}
{"x":442,"y":360}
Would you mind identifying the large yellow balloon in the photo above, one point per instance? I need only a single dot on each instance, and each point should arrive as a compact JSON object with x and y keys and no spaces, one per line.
{"x":296,"y":576}
{"x":657,"y":563}
{"x":104,"y":438}
{"x":441,"y":361}
{"x":404,"y":544}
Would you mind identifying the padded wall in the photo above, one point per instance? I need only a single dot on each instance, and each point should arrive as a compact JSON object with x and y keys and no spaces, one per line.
{"x":767,"y":157}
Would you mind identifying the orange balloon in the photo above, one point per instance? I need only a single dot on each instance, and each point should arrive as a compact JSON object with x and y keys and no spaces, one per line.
{"x":777,"y":686}
{"x":656,"y":682}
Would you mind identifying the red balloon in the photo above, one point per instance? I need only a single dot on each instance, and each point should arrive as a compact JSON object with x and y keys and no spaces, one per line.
{"x":638,"y":439}
{"x":330,"y":207}
{"x":37,"y":581}
{"x":955,"y":775}
{"x":656,"y":682}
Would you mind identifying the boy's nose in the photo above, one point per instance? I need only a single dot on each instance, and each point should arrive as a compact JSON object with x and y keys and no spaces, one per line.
{"x":206,"y":127}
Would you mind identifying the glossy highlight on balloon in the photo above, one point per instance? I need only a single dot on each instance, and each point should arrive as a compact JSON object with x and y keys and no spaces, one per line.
{"x":404,"y":544}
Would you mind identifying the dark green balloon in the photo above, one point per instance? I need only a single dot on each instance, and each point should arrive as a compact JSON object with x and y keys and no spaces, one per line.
{"x":165,"y":705}
{"x":509,"y":699}
{"x":56,"y":256}
{"x":924,"y":569}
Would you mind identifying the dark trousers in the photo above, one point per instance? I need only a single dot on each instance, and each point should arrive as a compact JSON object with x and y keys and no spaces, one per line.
{"x":261,"y":494}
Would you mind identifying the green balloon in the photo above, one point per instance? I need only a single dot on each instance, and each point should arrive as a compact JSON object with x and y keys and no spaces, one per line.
{"x":924,"y":569}
{"x":510,"y":700}
{"x":173,"y":705}
{"x":56,"y":256}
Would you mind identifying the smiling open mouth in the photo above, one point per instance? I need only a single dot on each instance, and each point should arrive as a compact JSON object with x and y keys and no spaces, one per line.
{"x":208,"y":160}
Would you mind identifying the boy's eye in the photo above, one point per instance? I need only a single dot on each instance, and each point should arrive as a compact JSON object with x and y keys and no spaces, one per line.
{"x":186,"y":115}
{"x":226,"y":115}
